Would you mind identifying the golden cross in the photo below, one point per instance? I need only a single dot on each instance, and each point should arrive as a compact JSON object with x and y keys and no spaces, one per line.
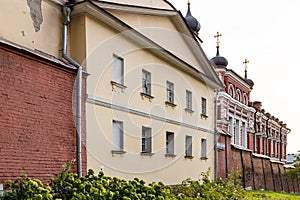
{"x":218,"y":35}
{"x":189,"y":2}
{"x":246,"y":62}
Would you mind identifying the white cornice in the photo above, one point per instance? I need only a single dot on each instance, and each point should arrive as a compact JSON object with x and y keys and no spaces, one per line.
{"x":109,"y":104}
{"x":135,"y":9}
{"x":238,"y":79}
{"x":236,"y":102}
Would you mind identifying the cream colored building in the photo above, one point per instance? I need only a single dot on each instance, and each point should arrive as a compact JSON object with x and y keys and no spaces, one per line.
{"x":148,"y":79}
{"x":150,"y":87}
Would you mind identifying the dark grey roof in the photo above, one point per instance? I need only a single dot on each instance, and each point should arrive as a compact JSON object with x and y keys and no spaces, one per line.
{"x":219,"y":61}
{"x":192,"y":21}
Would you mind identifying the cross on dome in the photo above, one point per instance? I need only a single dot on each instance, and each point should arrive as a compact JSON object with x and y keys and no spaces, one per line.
{"x":218,"y":35}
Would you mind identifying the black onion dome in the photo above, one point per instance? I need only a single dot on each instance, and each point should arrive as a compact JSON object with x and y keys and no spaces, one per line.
{"x":192,"y":21}
{"x":219,"y":61}
{"x":249,"y":81}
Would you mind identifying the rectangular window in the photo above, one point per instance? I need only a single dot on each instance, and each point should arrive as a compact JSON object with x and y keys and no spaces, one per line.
{"x":203,"y":104}
{"x":231,"y":129}
{"x":188,"y":146}
{"x":146,"y":140}
{"x":237,"y":132}
{"x":203,"y":148}
{"x":170,"y":143}
{"x":118,"y":136}
{"x":118,"y":70}
{"x":170,"y":92}
{"x":146,"y":82}
{"x":189,"y":100}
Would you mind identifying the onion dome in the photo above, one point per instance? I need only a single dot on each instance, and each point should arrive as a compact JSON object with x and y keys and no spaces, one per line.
{"x":249,"y":81}
{"x":219,"y":61}
{"x":192,"y":21}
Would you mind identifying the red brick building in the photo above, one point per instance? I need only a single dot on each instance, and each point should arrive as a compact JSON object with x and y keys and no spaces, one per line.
{"x":250,"y":140}
{"x":38,"y":133}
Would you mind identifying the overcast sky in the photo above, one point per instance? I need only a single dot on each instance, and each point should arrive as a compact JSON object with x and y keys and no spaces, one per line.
{"x":266,"y":32}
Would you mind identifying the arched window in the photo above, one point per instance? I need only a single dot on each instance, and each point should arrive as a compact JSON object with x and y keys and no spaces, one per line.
{"x":238,"y":95}
{"x":231,"y":91}
{"x":245,"y":99}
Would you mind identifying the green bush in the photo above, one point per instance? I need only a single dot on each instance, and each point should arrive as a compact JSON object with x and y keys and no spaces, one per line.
{"x":208,"y":189}
{"x":68,"y":186}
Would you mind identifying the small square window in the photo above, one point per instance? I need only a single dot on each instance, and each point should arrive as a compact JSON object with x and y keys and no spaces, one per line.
{"x":203,"y":148}
{"x":203,"y":106}
{"x":146,"y":82}
{"x":118,"y":136}
{"x":170,"y":92}
{"x":118,"y":70}
{"x":188,"y":146}
{"x":146,"y":140}
{"x":170,"y":143}
{"x":188,"y":99}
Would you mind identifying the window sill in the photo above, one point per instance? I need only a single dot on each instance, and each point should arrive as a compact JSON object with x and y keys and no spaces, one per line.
{"x":204,"y":116}
{"x":203,"y":158}
{"x":189,"y":157}
{"x":148,"y":96}
{"x":118,"y":151}
{"x":170,"y":104}
{"x":117,"y":85}
{"x":188,"y":110}
{"x":147,"y":154}
{"x":170,"y":155}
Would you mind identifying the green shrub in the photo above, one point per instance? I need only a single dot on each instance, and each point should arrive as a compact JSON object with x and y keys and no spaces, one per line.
{"x":68,"y":186}
{"x":211,"y":189}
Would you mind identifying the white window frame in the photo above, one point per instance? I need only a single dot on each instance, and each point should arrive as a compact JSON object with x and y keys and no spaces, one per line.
{"x":170,"y":143}
{"x":188,"y":146}
{"x":118,"y":135}
{"x":118,"y":70}
{"x":146,"y":82}
{"x":203,"y":148}
{"x":237,"y":132}
{"x":203,"y":106}
{"x":146,"y":140}
{"x":170,"y":92}
{"x":189,"y":100}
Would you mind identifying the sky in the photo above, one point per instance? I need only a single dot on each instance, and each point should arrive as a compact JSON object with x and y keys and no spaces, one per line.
{"x":265,"y":32}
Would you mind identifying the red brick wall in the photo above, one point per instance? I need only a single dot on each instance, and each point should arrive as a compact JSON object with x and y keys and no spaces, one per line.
{"x":257,"y":172}
{"x":37,"y":134}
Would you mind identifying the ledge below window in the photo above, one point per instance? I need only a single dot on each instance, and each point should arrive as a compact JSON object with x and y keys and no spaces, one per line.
{"x":144,"y":95}
{"x":170,"y":104}
{"x":170,"y":155}
{"x":204,"y":116}
{"x":203,"y":158}
{"x":188,"y":110}
{"x":118,"y":151}
{"x":118,"y":85}
{"x":188,"y":157}
{"x":147,"y":154}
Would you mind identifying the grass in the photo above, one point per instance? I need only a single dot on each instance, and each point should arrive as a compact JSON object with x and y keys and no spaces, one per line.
{"x":255,"y":195}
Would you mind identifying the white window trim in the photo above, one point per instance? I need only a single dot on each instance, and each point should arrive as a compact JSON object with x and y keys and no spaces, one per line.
{"x":118,"y":137}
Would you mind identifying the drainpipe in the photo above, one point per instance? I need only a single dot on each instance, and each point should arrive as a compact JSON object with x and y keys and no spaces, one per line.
{"x":267,"y":132}
{"x":280,"y":144}
{"x":67,"y":13}
{"x":255,"y":131}
{"x":215,"y":135}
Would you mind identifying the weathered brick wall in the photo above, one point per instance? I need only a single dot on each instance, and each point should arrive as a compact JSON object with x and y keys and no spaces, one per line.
{"x":276,"y":177}
{"x":246,"y":158}
{"x":37,"y":134}
{"x":258,"y":173}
